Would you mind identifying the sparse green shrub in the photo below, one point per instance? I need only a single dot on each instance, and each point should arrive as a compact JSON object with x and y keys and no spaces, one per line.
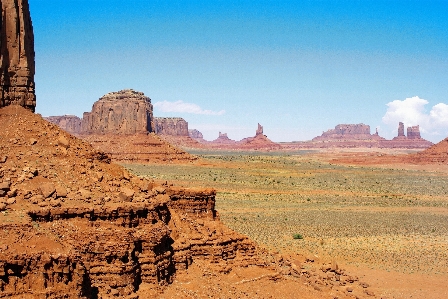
{"x":297,"y":236}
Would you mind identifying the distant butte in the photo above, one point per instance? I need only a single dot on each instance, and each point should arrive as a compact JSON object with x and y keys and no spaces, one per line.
{"x":68,"y":123}
{"x":348,"y":132}
{"x":223,"y":139}
{"x":359,"y":136}
{"x":173,"y":126}
{"x":123,"y":112}
{"x":122,"y":125}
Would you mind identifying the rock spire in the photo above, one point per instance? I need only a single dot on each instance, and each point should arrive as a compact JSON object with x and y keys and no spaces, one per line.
{"x":16,"y":55}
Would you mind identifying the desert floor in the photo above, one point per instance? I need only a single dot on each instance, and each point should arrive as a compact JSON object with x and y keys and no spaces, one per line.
{"x":385,"y":221}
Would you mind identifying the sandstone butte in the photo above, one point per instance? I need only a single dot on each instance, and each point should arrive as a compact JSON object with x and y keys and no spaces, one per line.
{"x":75,"y":225}
{"x":114,"y":119}
{"x":122,"y":125}
{"x":124,"y":112}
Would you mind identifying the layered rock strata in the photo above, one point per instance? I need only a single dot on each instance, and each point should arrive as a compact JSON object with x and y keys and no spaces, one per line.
{"x":17,"y":55}
{"x":124,"y":112}
{"x":174,"y":126}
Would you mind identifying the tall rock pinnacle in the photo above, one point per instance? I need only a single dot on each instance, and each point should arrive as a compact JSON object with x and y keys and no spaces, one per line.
{"x":16,"y":55}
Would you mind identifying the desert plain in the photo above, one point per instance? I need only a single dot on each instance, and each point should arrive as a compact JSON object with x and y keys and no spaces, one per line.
{"x":381,"y":217}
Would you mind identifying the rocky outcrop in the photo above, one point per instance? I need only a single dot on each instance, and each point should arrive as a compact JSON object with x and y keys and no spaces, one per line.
{"x":358,"y":136}
{"x":346,"y":132}
{"x":401,"y":129}
{"x":223,"y":139}
{"x":259,"y":130}
{"x":258,"y":142}
{"x":411,"y":140}
{"x":174,"y":126}
{"x":68,"y":123}
{"x":16,"y":55}
{"x":81,"y":227}
{"x":413,"y":132}
{"x":124,"y":112}
{"x":121,"y":124}
{"x":195,"y":134}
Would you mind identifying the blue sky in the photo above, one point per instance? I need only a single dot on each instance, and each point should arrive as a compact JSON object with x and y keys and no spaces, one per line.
{"x":297,"y":67}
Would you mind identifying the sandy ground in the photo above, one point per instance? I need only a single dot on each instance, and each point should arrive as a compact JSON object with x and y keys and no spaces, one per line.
{"x":384,"y":220}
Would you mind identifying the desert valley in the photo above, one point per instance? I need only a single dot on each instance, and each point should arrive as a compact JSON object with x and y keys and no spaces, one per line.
{"x":124,"y":204}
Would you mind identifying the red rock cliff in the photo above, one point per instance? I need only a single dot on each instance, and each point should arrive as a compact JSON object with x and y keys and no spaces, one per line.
{"x":16,"y":55}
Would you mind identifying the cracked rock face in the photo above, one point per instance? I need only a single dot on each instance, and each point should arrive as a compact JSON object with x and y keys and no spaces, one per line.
{"x":16,"y":55}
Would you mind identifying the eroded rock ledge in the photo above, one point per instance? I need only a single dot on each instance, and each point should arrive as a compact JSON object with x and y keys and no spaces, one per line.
{"x":111,"y":250}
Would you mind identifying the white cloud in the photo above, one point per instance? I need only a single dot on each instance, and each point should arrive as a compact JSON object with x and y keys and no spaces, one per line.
{"x":439,"y":114}
{"x":412,"y":112}
{"x":182,"y":107}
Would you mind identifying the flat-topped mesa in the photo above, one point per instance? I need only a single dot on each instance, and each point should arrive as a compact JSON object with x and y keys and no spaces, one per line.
{"x":173,"y":126}
{"x":346,"y":131}
{"x":17,"y":55}
{"x":68,"y":123}
{"x":124,"y":112}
